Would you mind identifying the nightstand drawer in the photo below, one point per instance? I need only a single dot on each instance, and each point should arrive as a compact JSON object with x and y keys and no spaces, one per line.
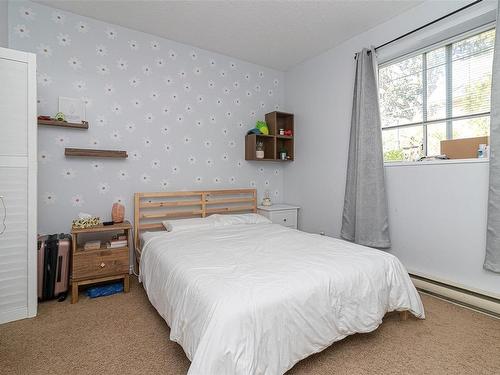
{"x":98,"y":263}
{"x":286,"y":218}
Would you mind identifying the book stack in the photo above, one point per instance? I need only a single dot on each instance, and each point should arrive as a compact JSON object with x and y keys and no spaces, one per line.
{"x":92,"y":245}
{"x":119,"y":240}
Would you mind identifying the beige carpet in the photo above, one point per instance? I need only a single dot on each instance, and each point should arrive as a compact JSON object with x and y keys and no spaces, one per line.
{"x":123,"y":334}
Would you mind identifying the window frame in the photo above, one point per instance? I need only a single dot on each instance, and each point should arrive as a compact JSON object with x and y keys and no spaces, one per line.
{"x":447,"y":44}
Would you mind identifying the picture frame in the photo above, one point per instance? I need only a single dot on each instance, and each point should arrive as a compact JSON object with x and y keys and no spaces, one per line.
{"x":73,"y":109}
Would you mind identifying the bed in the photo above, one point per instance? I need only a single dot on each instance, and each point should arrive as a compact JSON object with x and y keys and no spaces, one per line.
{"x":256,"y":297}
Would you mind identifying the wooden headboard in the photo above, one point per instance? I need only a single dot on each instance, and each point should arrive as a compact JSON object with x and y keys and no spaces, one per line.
{"x":150,"y":209}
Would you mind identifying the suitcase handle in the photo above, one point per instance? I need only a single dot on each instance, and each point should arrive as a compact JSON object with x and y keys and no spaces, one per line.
{"x":59,"y":268}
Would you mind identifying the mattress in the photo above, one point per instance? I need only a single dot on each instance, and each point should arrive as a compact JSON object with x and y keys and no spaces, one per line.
{"x":258,"y":298}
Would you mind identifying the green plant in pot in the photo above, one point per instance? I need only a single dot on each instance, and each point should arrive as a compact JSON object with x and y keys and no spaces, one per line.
{"x":283,"y":153}
{"x":259,"y":150}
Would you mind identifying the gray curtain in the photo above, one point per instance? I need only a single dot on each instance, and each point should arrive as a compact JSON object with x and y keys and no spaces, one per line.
{"x":365,"y":220}
{"x":492,"y":260}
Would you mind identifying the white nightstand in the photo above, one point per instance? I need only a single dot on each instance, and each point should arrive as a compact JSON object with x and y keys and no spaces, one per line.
{"x":280,"y":213}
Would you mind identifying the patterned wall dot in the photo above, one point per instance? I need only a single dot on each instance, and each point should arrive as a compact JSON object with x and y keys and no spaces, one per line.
{"x":181,"y":113}
{"x":77,"y":200}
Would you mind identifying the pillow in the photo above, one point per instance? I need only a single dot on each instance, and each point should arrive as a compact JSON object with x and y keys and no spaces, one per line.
{"x":240,"y":219}
{"x":189,"y":224}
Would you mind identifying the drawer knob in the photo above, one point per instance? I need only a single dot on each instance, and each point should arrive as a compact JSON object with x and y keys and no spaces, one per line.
{"x":103,"y":265}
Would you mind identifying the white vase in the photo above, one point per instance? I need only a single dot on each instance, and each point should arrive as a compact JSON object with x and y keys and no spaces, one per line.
{"x":259,"y":154}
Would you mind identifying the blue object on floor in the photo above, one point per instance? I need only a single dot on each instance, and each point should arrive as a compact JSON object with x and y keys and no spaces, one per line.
{"x":105,"y":290}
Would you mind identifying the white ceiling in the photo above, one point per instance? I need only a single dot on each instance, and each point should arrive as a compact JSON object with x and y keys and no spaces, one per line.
{"x":277,"y":34}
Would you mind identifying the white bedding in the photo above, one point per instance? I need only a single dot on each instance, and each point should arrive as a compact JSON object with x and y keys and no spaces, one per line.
{"x":258,"y":298}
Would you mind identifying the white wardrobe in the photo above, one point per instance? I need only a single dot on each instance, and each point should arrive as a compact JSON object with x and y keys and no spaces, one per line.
{"x":18,"y":190}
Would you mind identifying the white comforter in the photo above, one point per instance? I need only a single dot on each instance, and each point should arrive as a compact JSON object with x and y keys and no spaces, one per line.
{"x":256,"y":299}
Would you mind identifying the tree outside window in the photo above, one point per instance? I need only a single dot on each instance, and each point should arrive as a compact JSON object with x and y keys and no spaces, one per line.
{"x":443,"y":93}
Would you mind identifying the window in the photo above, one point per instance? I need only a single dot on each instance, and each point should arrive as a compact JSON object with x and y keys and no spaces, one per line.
{"x":442,"y":93}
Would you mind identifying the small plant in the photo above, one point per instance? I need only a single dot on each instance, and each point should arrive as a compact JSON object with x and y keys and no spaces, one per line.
{"x":283,"y":153}
{"x":259,"y":150}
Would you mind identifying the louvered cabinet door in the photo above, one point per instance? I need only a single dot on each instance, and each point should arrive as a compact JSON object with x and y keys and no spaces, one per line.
{"x":14,"y":241}
{"x":18,"y":242}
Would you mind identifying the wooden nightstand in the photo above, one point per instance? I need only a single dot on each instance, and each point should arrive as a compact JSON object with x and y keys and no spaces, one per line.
{"x":95,"y":266}
{"x":280,"y":213}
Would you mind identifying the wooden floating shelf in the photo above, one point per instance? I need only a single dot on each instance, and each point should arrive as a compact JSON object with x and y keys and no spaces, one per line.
{"x":86,"y":152}
{"x":277,"y":160}
{"x":64,"y":124}
{"x":273,"y":142}
{"x":273,"y":160}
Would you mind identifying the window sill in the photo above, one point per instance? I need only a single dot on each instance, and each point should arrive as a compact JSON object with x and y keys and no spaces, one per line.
{"x":435,"y":162}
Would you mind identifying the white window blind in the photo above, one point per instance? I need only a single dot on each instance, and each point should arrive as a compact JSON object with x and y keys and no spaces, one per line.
{"x":443,"y":93}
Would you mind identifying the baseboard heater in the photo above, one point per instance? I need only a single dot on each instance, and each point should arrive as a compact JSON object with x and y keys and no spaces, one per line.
{"x":467,"y":298}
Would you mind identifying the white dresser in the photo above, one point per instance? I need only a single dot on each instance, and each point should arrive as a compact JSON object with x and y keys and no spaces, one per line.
{"x":280,"y":213}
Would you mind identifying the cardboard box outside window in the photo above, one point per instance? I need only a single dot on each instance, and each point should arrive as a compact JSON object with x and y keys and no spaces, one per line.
{"x":465,"y":148}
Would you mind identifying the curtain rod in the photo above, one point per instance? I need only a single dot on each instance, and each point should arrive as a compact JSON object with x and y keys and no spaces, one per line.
{"x":427,"y":24}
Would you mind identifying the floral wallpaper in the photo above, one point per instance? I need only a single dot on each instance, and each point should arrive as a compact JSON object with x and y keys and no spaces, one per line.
{"x":181,"y":113}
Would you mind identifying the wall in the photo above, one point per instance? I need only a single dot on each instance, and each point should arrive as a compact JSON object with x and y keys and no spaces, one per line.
{"x":180,"y":112}
{"x":4,"y":30}
{"x":437,"y":212}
